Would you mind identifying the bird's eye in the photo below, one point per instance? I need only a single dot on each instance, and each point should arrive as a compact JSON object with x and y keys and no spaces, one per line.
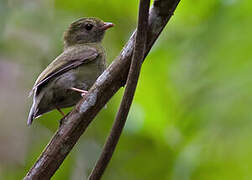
{"x":88,"y":27}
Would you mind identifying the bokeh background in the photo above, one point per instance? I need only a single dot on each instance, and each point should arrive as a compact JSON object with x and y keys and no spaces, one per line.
{"x":191,"y":117}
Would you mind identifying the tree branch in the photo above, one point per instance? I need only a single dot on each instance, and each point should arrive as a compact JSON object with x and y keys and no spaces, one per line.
{"x":133,"y":76}
{"x":114,"y":77}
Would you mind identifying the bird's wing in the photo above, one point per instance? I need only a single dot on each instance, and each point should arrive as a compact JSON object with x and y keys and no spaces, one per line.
{"x":69,"y":59}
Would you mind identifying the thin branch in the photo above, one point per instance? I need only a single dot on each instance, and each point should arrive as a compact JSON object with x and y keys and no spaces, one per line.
{"x":133,"y":76}
{"x":114,"y":77}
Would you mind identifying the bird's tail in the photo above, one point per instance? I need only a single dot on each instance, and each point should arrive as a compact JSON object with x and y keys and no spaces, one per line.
{"x":32,"y":113}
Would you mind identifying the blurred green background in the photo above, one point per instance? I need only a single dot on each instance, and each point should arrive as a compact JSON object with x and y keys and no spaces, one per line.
{"x":191,"y":116}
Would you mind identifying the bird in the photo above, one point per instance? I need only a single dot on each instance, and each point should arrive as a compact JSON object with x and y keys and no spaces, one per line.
{"x":69,"y":76}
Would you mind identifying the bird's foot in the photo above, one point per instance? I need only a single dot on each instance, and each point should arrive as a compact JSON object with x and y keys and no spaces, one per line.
{"x":83,"y":92}
{"x":62,"y":120}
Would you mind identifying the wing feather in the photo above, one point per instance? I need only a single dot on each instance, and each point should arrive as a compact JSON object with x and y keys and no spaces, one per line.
{"x":69,"y":59}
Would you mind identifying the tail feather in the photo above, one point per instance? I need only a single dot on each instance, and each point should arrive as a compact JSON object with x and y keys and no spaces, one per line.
{"x":33,"y":111}
{"x":31,"y":115}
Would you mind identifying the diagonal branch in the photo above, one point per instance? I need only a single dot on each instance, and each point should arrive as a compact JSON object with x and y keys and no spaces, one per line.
{"x":114,"y":77}
{"x":121,"y":117}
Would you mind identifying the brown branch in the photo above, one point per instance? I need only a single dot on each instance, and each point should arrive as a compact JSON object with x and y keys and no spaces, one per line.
{"x":133,"y":76}
{"x":114,"y":77}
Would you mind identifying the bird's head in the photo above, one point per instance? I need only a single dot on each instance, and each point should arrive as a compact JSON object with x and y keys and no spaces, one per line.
{"x":86,"y":30}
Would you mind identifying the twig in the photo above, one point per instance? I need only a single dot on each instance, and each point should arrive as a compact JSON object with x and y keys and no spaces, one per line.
{"x":135,"y":67}
{"x":114,"y":77}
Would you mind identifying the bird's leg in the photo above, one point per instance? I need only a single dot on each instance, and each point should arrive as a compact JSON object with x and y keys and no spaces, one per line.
{"x":61,"y":112}
{"x":83,"y":92}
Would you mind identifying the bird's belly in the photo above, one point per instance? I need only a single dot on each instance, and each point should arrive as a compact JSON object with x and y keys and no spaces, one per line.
{"x":57,"y":92}
{"x":82,"y":78}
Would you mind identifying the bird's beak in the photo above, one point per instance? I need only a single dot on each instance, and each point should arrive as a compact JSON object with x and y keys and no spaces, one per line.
{"x":107,"y":25}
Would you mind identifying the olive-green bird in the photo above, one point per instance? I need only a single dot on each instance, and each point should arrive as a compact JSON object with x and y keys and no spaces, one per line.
{"x":74,"y":71}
